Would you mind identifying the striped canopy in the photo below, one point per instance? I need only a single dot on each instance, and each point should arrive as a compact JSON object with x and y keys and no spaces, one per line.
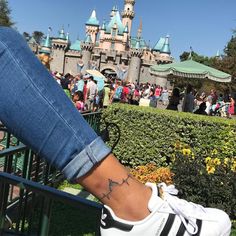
{"x":190,"y":69}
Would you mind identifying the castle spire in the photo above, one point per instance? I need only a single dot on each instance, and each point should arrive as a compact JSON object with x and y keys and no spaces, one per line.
{"x":62,"y":34}
{"x":128,"y":13}
{"x":93,"y":19}
{"x":166,"y":47}
{"x":140,"y":29}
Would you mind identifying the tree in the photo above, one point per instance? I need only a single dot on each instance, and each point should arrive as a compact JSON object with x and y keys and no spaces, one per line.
{"x":38,"y":36}
{"x":230,"y":49}
{"x":5,"y":12}
{"x":26,"y":35}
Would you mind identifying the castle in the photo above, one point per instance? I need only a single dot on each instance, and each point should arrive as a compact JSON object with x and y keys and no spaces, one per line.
{"x":109,"y":48}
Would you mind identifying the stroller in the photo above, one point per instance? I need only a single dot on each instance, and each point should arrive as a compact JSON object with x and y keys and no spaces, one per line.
{"x":219,"y":109}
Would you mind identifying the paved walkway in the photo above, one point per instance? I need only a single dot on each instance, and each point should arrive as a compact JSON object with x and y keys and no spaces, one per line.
{"x":80,"y":193}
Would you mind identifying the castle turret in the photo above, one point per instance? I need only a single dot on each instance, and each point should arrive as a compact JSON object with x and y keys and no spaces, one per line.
{"x":59,"y":47}
{"x":113,"y":11}
{"x":46,"y":46}
{"x":128,"y":13}
{"x":87,"y":48}
{"x":166,"y":47}
{"x":136,"y":54}
{"x":92,"y":27}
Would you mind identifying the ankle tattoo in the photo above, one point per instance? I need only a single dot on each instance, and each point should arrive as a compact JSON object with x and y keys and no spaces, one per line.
{"x":112,"y":184}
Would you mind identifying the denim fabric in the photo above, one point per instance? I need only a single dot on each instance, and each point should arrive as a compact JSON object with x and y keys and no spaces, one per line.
{"x":36,"y":110}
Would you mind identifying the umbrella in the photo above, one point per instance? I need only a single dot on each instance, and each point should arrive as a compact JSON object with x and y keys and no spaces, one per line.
{"x":190,"y":69}
{"x":99,"y":77}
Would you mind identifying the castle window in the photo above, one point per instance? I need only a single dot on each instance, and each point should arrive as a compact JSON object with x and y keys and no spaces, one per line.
{"x":112,"y":45}
{"x":113,"y":32}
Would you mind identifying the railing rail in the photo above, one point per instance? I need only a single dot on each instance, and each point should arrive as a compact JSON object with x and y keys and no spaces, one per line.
{"x":30,"y":193}
{"x":23,"y":176}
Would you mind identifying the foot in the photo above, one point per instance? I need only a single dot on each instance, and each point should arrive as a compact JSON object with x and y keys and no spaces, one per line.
{"x":169,"y":216}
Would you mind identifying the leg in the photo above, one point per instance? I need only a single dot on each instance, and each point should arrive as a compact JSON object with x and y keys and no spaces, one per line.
{"x":36,"y":110}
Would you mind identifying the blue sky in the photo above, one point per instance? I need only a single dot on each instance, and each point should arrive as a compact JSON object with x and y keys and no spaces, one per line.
{"x":205,"y":25}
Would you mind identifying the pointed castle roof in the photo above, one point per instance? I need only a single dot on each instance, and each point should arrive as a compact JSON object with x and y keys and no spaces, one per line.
{"x":76,"y":46}
{"x":163,"y":45}
{"x":115,"y":22}
{"x":159,"y":45}
{"x":126,"y":30}
{"x":47,"y":42}
{"x":104,"y":25}
{"x":166,"y":46}
{"x":62,"y":34}
{"x":88,"y":39}
{"x":93,"y":19}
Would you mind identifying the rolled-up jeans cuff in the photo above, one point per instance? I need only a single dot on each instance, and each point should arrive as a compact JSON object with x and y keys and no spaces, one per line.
{"x":83,"y":162}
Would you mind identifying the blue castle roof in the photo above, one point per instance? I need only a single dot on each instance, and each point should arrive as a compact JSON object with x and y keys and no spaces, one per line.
{"x":93,"y":19}
{"x":115,"y":20}
{"x":76,"y":46}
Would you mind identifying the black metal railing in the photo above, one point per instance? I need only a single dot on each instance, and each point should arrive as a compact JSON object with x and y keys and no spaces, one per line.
{"x":19,"y":167}
{"x":33,"y":212}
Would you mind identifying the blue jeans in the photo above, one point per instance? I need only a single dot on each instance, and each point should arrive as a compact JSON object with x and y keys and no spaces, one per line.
{"x":37,"y":111}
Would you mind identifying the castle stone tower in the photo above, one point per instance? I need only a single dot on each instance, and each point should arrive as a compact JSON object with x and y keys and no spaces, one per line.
{"x":92,"y":27}
{"x":87,"y":48}
{"x":128,"y":14}
{"x":59,"y":47}
{"x":136,"y":54}
{"x":135,"y":63}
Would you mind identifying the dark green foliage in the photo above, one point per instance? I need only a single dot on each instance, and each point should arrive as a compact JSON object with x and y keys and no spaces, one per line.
{"x":148,"y":135}
{"x":38,"y":36}
{"x":152,"y":135}
{"x":5,"y":11}
{"x":198,"y":184}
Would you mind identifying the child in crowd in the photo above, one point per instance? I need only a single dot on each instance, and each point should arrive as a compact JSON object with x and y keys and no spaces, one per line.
{"x":78,"y":100}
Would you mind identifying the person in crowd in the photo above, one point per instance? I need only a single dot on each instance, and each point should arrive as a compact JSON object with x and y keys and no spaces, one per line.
{"x":58,"y":77}
{"x":174,"y":100}
{"x":153,"y":99}
{"x":214,"y":96}
{"x":106,"y":101}
{"x":208,"y":105}
{"x":188,"y":102}
{"x":73,"y":147}
{"x":78,"y":99}
{"x":158,"y":92}
{"x":65,"y":84}
{"x":125,"y":92}
{"x":231,"y":107}
{"x":136,"y":96}
{"x":202,"y":109}
{"x":79,"y":83}
{"x":92,"y":91}
{"x":165,"y":96}
{"x":117,"y":92}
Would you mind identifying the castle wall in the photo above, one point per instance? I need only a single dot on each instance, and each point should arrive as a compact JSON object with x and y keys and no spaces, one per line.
{"x":58,"y":62}
{"x":71,"y":65}
{"x":134,"y":69}
{"x":145,"y":77}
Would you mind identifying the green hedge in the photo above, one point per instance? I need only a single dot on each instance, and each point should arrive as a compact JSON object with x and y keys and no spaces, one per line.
{"x":149,"y":134}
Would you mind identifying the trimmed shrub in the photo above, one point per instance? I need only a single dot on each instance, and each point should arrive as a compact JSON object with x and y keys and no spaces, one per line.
{"x":149,"y":134}
{"x":210,"y":182}
{"x":199,"y":150}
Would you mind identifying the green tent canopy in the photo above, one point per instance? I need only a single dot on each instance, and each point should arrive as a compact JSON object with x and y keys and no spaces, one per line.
{"x":190,"y":69}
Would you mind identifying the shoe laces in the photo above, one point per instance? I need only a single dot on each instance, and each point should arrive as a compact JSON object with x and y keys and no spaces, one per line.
{"x":181,"y":207}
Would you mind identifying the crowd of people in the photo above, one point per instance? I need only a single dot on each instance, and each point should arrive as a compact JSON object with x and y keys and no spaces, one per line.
{"x":88,"y":96}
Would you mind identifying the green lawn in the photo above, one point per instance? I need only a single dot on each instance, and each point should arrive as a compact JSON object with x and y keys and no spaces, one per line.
{"x":69,"y":221}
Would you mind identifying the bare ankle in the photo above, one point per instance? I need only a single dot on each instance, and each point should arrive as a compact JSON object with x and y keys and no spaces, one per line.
{"x":134,"y":206}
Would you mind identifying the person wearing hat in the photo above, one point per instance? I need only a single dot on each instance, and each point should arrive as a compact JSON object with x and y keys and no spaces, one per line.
{"x":92,"y":91}
{"x":58,"y":77}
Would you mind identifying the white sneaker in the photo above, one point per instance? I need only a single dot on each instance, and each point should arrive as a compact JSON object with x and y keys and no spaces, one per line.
{"x":169,"y":216}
